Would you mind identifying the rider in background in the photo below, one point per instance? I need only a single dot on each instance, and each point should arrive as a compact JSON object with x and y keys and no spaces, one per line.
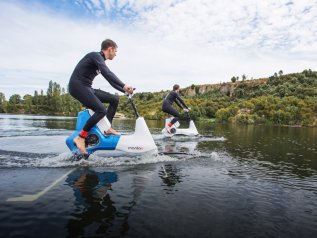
{"x":80,"y":88}
{"x":167,"y":106}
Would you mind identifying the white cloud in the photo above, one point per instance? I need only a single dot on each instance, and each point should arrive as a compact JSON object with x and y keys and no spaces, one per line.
{"x":186,"y":42}
{"x":236,"y":24}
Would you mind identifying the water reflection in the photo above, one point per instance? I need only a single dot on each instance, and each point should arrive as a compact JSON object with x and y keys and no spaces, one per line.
{"x":102,"y":209}
{"x":170,"y":175}
{"x":281,"y":149}
{"x":56,"y":124}
{"x":95,"y":209}
{"x":179,"y":145}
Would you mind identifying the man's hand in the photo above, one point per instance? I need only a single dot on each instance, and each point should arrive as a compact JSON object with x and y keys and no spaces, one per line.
{"x":128,"y":89}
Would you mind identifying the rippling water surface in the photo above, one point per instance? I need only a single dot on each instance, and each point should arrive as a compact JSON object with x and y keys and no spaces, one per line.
{"x":232,"y":181}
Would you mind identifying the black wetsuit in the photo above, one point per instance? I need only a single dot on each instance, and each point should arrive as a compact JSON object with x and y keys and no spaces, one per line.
{"x":167,"y":105}
{"x":80,"y":87}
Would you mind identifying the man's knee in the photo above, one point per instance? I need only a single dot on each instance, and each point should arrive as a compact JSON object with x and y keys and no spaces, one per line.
{"x":175,"y":119}
{"x":115,"y":100}
{"x":101,"y":111}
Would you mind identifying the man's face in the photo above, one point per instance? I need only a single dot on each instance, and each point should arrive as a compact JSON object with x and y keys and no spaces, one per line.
{"x":112,"y":52}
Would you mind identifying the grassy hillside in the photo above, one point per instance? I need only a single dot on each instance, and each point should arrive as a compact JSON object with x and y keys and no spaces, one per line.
{"x":280,"y":99}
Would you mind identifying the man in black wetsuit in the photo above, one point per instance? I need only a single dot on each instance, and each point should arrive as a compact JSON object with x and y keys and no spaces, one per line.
{"x":167,"y":106}
{"x":80,"y":88}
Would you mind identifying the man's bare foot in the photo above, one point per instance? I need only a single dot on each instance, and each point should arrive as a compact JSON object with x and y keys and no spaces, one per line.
{"x":80,"y":143}
{"x":111,"y":131}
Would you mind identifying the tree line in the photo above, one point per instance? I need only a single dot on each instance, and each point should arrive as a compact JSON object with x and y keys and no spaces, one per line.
{"x":289,"y":99}
{"x":56,"y":101}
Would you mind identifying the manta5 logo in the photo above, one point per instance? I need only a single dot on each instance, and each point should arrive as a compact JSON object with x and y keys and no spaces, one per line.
{"x":135,"y":148}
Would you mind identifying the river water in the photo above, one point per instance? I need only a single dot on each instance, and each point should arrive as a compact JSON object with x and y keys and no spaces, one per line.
{"x":232,"y":181}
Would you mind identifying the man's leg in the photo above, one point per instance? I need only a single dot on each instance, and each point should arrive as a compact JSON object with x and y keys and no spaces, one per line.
{"x":176,"y":115}
{"x":113,"y":101}
{"x":172,"y":111}
{"x":87,"y":97}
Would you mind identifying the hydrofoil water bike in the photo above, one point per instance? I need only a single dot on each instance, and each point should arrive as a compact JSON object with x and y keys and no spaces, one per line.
{"x":190,"y":131}
{"x":141,"y":141}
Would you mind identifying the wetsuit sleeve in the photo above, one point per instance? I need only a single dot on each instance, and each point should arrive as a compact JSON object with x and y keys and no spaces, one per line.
{"x":178,"y":104}
{"x":107,"y":74}
{"x":178,"y":98}
{"x":116,"y":86}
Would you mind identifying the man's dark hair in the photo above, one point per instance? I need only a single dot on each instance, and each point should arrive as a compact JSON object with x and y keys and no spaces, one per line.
{"x":175,"y":87}
{"x":108,"y":43}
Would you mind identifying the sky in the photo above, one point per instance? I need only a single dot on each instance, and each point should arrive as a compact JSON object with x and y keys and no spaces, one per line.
{"x":161,"y":42}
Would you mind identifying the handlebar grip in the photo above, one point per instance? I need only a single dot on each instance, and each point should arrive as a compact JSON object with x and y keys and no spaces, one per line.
{"x":128,"y":94}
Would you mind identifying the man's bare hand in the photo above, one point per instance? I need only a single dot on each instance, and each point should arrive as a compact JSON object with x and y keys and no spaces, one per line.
{"x":128,"y":89}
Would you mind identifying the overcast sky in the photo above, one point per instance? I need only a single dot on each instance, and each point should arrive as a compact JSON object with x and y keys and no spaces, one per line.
{"x":161,"y":42}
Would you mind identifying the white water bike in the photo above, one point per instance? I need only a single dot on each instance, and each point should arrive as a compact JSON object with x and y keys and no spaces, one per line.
{"x":141,"y":141}
{"x":190,"y":131}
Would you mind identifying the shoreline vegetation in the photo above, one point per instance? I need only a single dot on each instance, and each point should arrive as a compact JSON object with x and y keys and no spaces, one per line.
{"x":289,"y":100}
